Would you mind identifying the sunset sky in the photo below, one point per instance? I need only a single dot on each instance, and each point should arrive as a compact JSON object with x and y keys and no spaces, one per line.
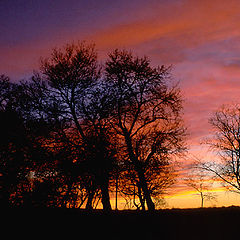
{"x":199,"y":38}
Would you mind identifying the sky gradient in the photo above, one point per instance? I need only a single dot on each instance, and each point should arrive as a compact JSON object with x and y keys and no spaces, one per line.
{"x":199,"y":38}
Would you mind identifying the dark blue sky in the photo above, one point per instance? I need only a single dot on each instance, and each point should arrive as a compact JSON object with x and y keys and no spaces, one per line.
{"x":28,"y":20}
{"x":36,"y":26}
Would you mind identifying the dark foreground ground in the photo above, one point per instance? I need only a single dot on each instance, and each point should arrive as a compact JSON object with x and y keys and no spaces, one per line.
{"x":210,"y":223}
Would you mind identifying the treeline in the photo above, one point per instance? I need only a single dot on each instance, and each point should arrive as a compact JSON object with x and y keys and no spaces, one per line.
{"x":79,"y":130}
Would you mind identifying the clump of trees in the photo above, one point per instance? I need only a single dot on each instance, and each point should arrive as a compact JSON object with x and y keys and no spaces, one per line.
{"x":79,"y":130}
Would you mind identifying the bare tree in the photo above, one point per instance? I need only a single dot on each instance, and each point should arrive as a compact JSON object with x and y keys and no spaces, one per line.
{"x":147,"y":116}
{"x":201,"y":183}
{"x":78,"y":101}
{"x":226,"y":142}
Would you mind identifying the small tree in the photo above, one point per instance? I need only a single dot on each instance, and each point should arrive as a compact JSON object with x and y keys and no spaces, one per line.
{"x":200,"y":182}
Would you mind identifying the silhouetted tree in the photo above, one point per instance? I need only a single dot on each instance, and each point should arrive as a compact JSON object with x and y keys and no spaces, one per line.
{"x":226,"y":141}
{"x":5,"y":89}
{"x":73,"y":91}
{"x":21,"y":152}
{"x":147,"y":115}
{"x":11,"y":154}
{"x":201,"y":183}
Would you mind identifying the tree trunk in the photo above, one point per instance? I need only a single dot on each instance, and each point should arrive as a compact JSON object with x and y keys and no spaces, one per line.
{"x":4,"y":194}
{"x":141,"y":198}
{"x":139,"y":170}
{"x":90,"y":200}
{"x":202,"y":200}
{"x":146,"y":193}
{"x":105,"y":194}
{"x":116,"y":192}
